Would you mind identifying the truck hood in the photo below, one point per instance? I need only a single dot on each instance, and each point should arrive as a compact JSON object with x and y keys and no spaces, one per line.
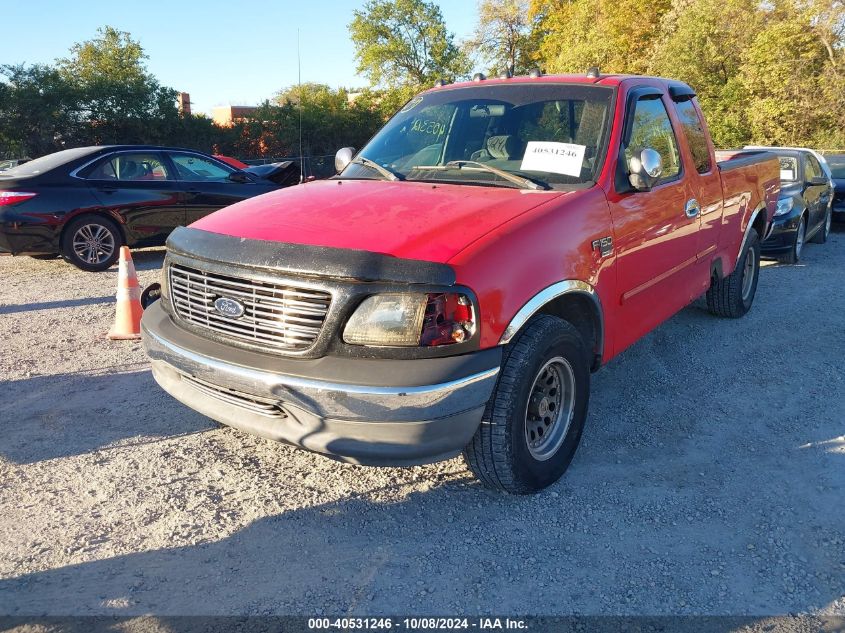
{"x":411,"y":220}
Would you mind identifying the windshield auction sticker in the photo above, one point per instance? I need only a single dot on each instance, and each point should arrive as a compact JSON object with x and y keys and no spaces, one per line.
{"x":555,"y":158}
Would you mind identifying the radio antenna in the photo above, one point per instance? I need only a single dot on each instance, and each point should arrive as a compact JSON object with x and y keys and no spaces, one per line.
{"x":299,"y":83}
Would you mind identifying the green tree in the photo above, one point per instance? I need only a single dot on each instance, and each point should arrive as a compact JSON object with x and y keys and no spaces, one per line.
{"x":122,"y":101}
{"x":39,"y":111}
{"x":502,"y":37}
{"x":330,"y":119}
{"x":784,"y":75}
{"x":402,"y":43}
{"x":701,"y":43}
{"x":615,"y":35}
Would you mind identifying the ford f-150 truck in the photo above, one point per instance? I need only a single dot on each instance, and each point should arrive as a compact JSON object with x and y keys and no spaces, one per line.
{"x":454,"y":286}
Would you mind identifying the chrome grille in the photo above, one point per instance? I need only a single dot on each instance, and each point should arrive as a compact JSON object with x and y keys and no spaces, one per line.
{"x":276,"y":316}
{"x":261,"y":406}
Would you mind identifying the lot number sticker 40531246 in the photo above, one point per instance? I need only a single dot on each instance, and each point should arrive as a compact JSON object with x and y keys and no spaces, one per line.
{"x":555,"y":158}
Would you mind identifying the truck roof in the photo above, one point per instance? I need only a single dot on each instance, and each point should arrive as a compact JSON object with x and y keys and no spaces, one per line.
{"x":611,"y":80}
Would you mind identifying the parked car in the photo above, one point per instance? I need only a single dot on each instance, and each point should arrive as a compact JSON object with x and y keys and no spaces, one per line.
{"x":284,"y":173}
{"x":84,"y":203}
{"x":836,"y":162}
{"x":232,"y":162}
{"x":454,"y":286}
{"x":804,"y":210}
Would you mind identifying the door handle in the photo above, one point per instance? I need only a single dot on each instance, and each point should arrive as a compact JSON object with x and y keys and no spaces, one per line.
{"x":108,"y":189}
{"x":692,"y":209}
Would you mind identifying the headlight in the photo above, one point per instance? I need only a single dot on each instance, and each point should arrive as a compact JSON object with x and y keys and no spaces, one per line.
{"x":784,"y":206}
{"x":411,"y":320}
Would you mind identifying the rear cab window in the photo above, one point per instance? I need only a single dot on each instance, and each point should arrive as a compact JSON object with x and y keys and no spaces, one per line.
{"x":693,"y":129}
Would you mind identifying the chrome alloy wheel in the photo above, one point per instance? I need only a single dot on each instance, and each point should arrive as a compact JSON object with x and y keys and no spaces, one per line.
{"x":93,"y":243}
{"x":748,"y":273}
{"x":551,"y":405}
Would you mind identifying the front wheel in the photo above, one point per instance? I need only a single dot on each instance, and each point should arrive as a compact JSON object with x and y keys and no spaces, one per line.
{"x":732,"y":296}
{"x":822,"y":234}
{"x":794,"y":254}
{"x":91,"y":243}
{"x":533,"y":421}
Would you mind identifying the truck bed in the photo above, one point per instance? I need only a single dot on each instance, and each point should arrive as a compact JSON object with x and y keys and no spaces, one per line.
{"x":727,"y":159}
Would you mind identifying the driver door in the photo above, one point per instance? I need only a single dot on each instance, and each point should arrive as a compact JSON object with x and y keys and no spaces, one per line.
{"x":204,"y":185}
{"x":817,"y":196}
{"x":656,"y":235}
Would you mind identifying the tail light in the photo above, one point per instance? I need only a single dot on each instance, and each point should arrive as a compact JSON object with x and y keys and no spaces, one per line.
{"x":13,"y":197}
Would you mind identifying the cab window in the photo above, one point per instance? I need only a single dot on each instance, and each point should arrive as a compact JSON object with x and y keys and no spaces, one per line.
{"x":134,"y":167}
{"x":653,"y":129}
{"x":694,"y":132}
{"x":813,"y":169}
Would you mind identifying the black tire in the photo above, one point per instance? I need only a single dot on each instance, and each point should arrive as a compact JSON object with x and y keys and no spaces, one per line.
{"x":46,"y":256}
{"x":499,"y":453}
{"x":794,"y":253}
{"x":730,"y":297}
{"x":824,"y":230}
{"x":94,"y":225}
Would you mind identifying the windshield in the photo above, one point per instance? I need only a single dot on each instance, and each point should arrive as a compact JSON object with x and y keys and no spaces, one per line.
{"x":836,"y":162}
{"x":50,"y":161}
{"x":788,"y":168}
{"x":554,"y":134}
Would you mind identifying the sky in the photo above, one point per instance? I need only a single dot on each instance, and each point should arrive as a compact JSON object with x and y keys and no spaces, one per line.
{"x":222,"y":53}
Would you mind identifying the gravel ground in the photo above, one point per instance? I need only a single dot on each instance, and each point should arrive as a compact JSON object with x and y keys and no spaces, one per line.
{"x":710,"y":480}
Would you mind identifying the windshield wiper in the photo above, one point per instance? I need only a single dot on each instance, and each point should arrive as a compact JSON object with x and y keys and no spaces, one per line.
{"x":384,"y":171}
{"x":525,"y":183}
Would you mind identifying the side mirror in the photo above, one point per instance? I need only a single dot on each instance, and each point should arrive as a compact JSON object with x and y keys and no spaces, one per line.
{"x":818,"y":180}
{"x":343,"y":158}
{"x":645,"y":169}
{"x":239,"y":176}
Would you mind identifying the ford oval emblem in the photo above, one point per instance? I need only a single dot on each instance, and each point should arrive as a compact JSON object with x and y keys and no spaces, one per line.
{"x":229,"y":307}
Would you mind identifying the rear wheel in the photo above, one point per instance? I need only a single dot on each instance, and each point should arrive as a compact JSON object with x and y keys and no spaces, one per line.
{"x":794,"y":253}
{"x":533,"y":421}
{"x":821,"y":235}
{"x":732,"y":296}
{"x":91,"y":243}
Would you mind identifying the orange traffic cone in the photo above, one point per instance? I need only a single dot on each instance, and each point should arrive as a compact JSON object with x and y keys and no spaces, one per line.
{"x":127,"y":320}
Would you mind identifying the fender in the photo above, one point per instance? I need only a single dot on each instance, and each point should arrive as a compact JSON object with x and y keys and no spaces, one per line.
{"x":751,"y":220}
{"x":550,"y":293}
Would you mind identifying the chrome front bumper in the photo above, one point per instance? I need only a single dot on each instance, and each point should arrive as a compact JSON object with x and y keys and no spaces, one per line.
{"x":417,"y":421}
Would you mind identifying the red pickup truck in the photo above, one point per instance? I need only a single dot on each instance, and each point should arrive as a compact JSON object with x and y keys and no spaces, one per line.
{"x":454,"y":286}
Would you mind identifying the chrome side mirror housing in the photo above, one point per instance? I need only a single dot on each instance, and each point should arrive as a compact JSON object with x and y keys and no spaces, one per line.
{"x":645,"y":169}
{"x":343,"y":157}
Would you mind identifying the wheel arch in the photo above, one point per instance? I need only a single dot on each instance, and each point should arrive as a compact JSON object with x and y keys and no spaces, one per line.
{"x":757,"y":221}
{"x":574,"y":301}
{"x":97,"y":214}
